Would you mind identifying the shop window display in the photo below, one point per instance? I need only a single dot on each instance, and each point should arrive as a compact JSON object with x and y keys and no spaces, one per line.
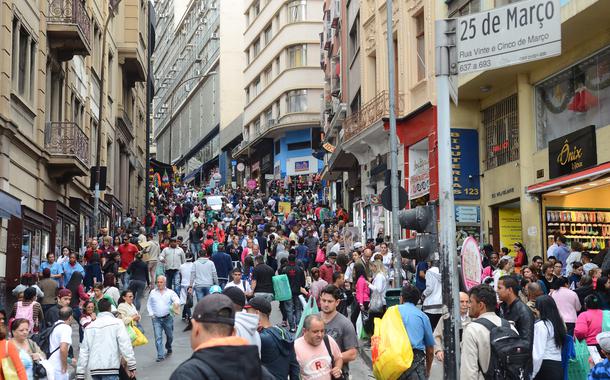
{"x":591,"y":227}
{"x":574,"y":98}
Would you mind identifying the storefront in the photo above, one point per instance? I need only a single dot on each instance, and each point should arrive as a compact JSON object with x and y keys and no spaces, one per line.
{"x":66,"y":221}
{"x":116,"y":213}
{"x":85,"y":220}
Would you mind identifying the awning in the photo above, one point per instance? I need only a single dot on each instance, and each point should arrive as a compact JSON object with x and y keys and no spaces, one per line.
{"x":191,"y":176}
{"x":9,"y":205}
{"x":559,"y":182}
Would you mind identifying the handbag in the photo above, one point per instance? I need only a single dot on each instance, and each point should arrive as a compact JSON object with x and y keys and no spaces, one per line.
{"x":8,"y":368}
{"x":130,"y":331}
{"x":140,"y":338}
{"x":376,"y":303}
{"x":332,"y":358}
{"x":189,"y":301}
{"x":40,"y":372}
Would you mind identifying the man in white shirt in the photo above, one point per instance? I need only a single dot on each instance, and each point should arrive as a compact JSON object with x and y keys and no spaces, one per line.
{"x":60,"y":342}
{"x":158,"y":306}
{"x":237,"y":282}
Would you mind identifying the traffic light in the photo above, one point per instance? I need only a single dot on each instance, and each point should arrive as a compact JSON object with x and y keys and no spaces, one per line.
{"x":423,"y":220}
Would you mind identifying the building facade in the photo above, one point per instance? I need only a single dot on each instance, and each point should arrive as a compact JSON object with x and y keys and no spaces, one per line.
{"x":49,"y":122}
{"x":282,"y":87}
{"x":198,"y":81}
{"x":531,"y":120}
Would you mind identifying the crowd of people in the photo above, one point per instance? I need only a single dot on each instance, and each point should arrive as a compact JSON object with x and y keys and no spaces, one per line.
{"x":218,"y":265}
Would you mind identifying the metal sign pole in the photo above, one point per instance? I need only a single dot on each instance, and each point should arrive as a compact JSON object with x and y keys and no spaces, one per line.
{"x":445,"y":45}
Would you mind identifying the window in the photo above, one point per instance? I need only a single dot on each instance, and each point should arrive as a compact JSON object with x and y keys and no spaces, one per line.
{"x":354,"y":38}
{"x":268,"y":116}
{"x":296,"y":101}
{"x":501,"y":123}
{"x":297,"y":56}
{"x":574,"y":98}
{"x":299,"y":145}
{"x":247,"y":95}
{"x":257,"y":127}
{"x":256,"y":9}
{"x":268,"y":34}
{"x":110,"y":74}
{"x":500,"y":3}
{"x":421,"y":46}
{"x":256,"y":86}
{"x":277,"y":147}
{"x":267,"y":76}
{"x":277,"y":65}
{"x":97,"y":48}
{"x":278,"y":112}
{"x":297,"y":10}
{"x":256,"y":47}
{"x":24,"y":61}
{"x":464,"y":7}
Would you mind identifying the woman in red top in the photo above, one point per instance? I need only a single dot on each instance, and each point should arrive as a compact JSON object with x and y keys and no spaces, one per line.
{"x":520,"y":257}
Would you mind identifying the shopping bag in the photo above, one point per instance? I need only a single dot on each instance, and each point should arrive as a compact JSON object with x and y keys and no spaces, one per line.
{"x":360,"y":326}
{"x":391,"y":349}
{"x":579,"y":367}
{"x":130,"y":331}
{"x":606,"y":320}
{"x":140,"y":338}
{"x":311,"y":307}
{"x":281,"y":288}
{"x":8,"y":368}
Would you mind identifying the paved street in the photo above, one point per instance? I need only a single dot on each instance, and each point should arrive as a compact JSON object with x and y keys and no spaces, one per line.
{"x":149,"y":369}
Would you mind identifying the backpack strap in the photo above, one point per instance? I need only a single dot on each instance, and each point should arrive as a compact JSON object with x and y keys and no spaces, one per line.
{"x":332,"y":358}
{"x":489,"y":325}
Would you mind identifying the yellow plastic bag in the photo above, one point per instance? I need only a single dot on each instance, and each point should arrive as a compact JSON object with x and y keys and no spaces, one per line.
{"x":391,"y":347}
{"x":8,"y":368}
{"x":140,"y":338}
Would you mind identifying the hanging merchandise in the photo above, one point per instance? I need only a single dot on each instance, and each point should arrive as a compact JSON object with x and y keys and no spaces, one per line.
{"x":583,"y":100}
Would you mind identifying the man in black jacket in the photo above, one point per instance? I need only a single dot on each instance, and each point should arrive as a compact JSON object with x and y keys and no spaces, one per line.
{"x":296,"y":278}
{"x":513,"y":309}
{"x":277,"y":344}
{"x":213,"y":340}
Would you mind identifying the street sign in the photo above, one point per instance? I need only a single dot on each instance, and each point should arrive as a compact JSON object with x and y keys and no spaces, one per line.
{"x":517,"y":33}
{"x":467,"y":214}
{"x":471,"y":263}
{"x":386,"y":198}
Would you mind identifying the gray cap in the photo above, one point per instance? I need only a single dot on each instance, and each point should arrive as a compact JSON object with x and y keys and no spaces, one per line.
{"x":603,"y":339}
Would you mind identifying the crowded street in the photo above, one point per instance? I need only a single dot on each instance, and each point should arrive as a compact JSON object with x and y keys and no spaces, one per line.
{"x":304,"y":190}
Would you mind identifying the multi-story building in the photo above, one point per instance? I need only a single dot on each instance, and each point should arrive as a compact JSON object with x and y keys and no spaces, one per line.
{"x":282,"y":86}
{"x":49,"y":121}
{"x":198,"y":101}
{"x":340,"y":61}
{"x":543,"y":129}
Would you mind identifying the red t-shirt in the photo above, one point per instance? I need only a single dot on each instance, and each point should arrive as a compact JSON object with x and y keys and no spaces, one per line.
{"x":128,"y":254}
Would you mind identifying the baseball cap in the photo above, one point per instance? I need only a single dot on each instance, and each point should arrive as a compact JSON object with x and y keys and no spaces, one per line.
{"x":214,"y":308}
{"x":215,"y":289}
{"x":603,"y":339}
{"x":357,"y":245}
{"x":64,"y":293}
{"x":236,"y":295}
{"x":260,"y":304}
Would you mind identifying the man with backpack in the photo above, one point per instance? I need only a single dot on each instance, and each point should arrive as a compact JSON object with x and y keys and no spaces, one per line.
{"x":489,"y":340}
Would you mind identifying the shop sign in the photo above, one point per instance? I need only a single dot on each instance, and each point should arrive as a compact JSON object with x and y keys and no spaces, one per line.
{"x":465,"y":164}
{"x":471,"y":263}
{"x":373,"y":199}
{"x":301,"y":166}
{"x":419,"y":170}
{"x":276,"y":171}
{"x":468,"y":214}
{"x":241,"y":167}
{"x":510,"y":226}
{"x":255,"y":166}
{"x":573,"y":152}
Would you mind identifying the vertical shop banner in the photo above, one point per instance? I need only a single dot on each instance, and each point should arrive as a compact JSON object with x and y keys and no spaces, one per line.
{"x":465,"y":164}
{"x":510,"y":226}
{"x":419,"y":170}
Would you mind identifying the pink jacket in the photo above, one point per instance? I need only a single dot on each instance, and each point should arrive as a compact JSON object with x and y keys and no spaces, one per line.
{"x":588,"y":325}
{"x":568,"y":304}
{"x":363,"y":293}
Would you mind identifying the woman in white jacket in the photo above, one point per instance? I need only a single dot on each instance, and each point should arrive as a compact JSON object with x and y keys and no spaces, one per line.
{"x":433,"y":295}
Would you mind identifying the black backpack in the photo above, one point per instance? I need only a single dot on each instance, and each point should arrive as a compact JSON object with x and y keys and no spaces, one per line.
{"x":43,"y":340}
{"x":510,"y":354}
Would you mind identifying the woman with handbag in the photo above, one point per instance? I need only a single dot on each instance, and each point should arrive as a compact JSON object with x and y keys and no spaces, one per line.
{"x":127,"y":309}
{"x":30,"y":354}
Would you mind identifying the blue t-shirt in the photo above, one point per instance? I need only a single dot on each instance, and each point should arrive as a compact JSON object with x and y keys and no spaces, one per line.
{"x":417,"y":325}
{"x":420,"y":283}
{"x":55,"y":269}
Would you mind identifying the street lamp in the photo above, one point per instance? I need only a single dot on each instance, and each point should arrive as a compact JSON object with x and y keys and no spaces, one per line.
{"x":113,"y":6}
{"x":171,"y":105}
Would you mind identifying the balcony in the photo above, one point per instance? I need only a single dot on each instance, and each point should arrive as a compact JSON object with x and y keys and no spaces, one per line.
{"x":68,"y":149}
{"x":124,"y":124}
{"x":369,"y":114}
{"x":68,"y":29}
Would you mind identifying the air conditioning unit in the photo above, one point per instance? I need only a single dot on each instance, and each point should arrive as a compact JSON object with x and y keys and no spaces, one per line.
{"x":215,"y":36}
{"x":197,"y":72}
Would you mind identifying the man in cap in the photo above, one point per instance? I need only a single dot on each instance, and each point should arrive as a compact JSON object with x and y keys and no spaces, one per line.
{"x":246,"y":324}
{"x":218,"y":353}
{"x":602,"y":369}
{"x":277,"y":345}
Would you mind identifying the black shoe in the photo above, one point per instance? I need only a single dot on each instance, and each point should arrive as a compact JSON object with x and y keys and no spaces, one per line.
{"x":168,"y":353}
{"x":160,"y":359}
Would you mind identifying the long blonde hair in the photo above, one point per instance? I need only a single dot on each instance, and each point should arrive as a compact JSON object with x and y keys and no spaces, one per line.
{"x":378,"y":267}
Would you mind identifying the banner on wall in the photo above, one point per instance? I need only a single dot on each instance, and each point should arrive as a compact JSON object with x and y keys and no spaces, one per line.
{"x":419,"y":170}
{"x":465,"y":164}
{"x":509,"y":221}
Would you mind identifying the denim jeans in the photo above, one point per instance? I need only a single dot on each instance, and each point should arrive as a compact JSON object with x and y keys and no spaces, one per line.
{"x":160,"y":325}
{"x":173,"y":278}
{"x":125,"y":281}
{"x":137,"y":287}
{"x":293,"y":311}
{"x":201,"y":292}
{"x":105,"y":377}
{"x":195,"y":247}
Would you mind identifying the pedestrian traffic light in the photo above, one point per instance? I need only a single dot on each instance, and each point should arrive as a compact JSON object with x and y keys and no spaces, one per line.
{"x":423,"y":220}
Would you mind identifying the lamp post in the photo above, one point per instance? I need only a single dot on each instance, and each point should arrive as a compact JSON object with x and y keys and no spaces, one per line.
{"x":113,"y":6}
{"x":171,"y":105}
